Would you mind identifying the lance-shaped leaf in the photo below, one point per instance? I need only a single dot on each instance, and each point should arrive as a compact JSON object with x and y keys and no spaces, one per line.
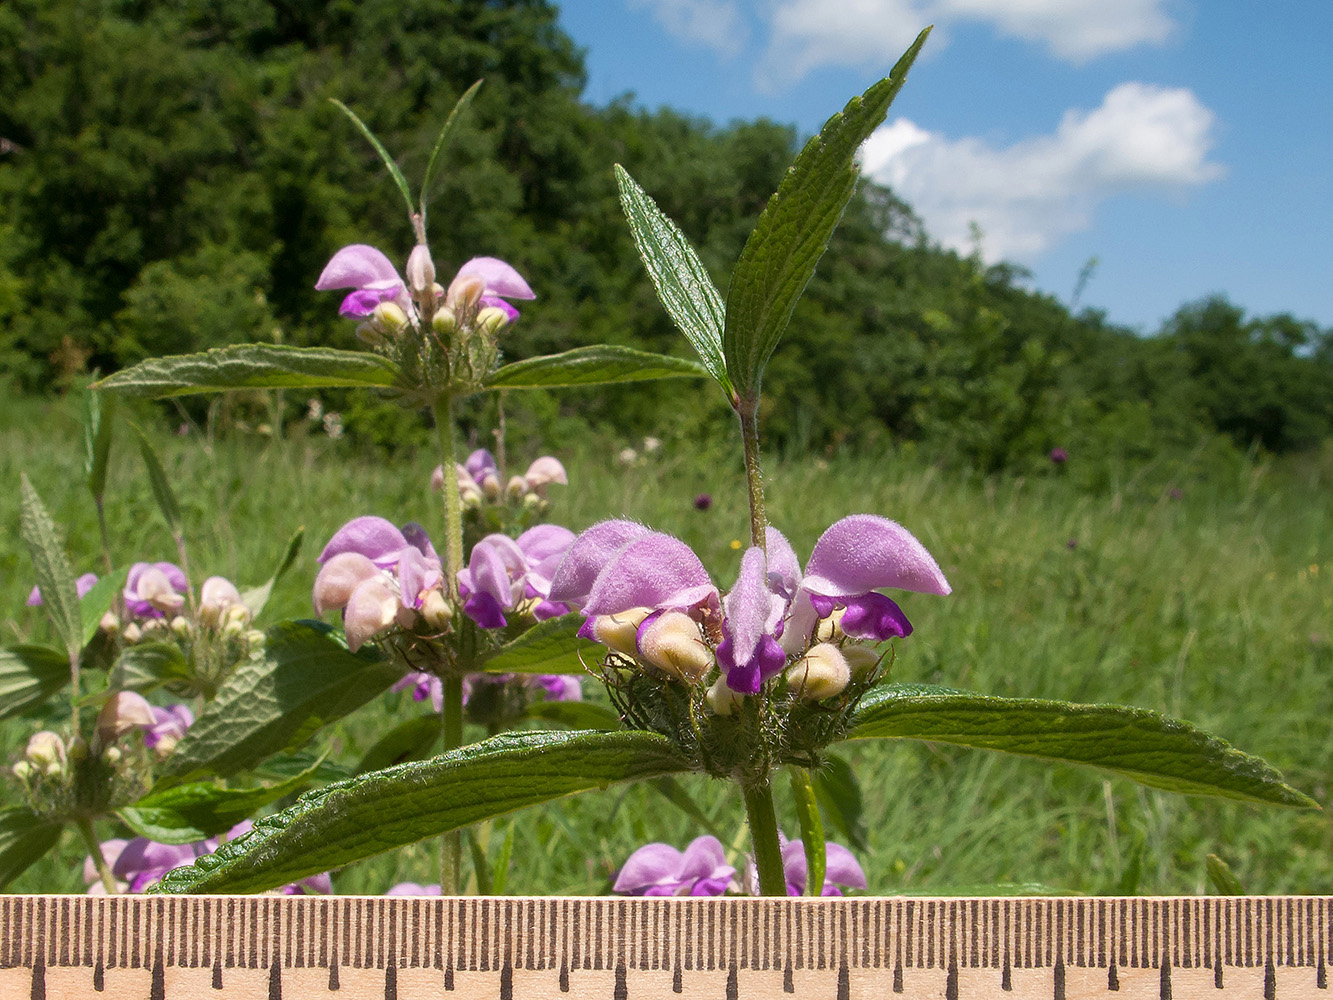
{"x":186,"y":813}
{"x":596,"y":364}
{"x":367,"y":815}
{"x":160,"y":483}
{"x":1151,"y":748}
{"x":303,"y":679}
{"x":50,"y":567}
{"x":446,"y":133}
{"x":257,"y":597}
{"x":398,"y":179}
{"x":812,"y":829}
{"x":97,"y":602}
{"x":682,"y":282}
{"x":98,"y":417}
{"x":549,"y":647}
{"x":30,"y":674}
{"x":254,"y":366}
{"x":24,"y":838}
{"x":794,"y":229}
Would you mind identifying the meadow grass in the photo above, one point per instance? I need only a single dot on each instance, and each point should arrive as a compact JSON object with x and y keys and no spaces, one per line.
{"x":1212,"y":604}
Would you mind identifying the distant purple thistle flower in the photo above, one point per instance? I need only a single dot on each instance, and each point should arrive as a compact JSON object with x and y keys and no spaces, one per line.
{"x":1059,"y":456}
{"x":82,"y":585}
{"x":661,"y":870}
{"x":703,"y":501}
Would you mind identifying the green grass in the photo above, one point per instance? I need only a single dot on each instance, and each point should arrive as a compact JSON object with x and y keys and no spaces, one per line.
{"x":1215,"y":606}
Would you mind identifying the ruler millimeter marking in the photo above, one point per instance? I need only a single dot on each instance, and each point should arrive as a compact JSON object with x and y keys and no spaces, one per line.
{"x":899,"y":947}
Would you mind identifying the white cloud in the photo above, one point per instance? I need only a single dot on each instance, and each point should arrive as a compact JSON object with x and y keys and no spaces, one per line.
{"x":717,"y":24}
{"x":806,"y":34}
{"x":1027,"y":196}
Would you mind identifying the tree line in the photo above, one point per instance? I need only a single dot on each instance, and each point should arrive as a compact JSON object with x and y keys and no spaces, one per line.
{"x":174,"y":177}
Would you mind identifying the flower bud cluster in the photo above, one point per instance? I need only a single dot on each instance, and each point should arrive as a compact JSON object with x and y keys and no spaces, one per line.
{"x":480,"y":486}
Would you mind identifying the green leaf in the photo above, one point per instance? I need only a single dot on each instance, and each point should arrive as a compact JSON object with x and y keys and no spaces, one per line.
{"x":98,"y":417}
{"x":794,"y":230}
{"x":812,"y":829}
{"x":302,"y":680}
{"x":682,"y":282}
{"x":549,"y":647}
{"x":50,"y":567}
{"x":257,"y":597}
{"x":1222,"y":878}
{"x":160,"y":483}
{"x":24,"y":838}
{"x":98,"y":601}
{"x":839,"y":794}
{"x":442,"y":140}
{"x":394,"y":172}
{"x":254,"y":366}
{"x":674,"y":792}
{"x":147,"y":665}
{"x":187,"y":813}
{"x":351,"y":820}
{"x":414,"y":739}
{"x":1152,"y":749}
{"x":29,"y":675}
{"x":500,"y":870}
{"x":574,"y":714}
{"x":594,"y":365}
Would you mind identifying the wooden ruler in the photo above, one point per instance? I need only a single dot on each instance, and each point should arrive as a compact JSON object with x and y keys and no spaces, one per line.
{"x":163,"y":948}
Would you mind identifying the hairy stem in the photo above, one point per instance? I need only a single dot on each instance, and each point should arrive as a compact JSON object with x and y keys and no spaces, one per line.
{"x":749,"y":414}
{"x":90,"y":841}
{"x":764,"y":837}
{"x":453,"y":502}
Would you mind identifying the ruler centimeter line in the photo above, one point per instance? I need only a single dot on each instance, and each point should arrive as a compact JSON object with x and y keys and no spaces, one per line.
{"x":942,"y":947}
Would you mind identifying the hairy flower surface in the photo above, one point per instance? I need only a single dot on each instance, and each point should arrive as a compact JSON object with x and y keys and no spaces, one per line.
{"x":504,"y":574}
{"x":153,"y":590}
{"x":662,"y":870}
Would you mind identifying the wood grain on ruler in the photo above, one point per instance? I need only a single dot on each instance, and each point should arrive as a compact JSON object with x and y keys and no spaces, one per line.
{"x":531,"y":947}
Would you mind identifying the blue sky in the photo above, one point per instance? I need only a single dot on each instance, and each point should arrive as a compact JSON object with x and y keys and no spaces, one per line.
{"x":1186,"y":144}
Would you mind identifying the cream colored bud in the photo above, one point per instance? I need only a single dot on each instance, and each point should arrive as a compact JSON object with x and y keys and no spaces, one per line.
{"x":722,"y":700}
{"x":180,"y":627}
{"x":124,"y":711}
{"x":420,"y":269}
{"x":472,"y":499}
{"x":217,"y":597}
{"x":533,"y":502}
{"x":544,"y":471}
{"x":822,"y":673}
{"x":464,"y":293}
{"x":369,"y":333}
{"x":24,"y":772}
{"x":131,"y":635}
{"x":254,"y":639}
{"x":54,"y":770}
{"x":112,"y":755}
{"x":492,"y":320}
{"x":390,"y":316}
{"x":517,"y":487}
{"x":45,"y":749}
{"x":861,"y":659}
{"x":620,"y":631}
{"x":444,"y":322}
{"x":109,"y":623}
{"x":232,"y":630}
{"x":165,"y":745}
{"x":490,"y":485}
{"x":436,"y":610}
{"x":672,"y":643}
{"x":437,"y":479}
{"x":238,"y":613}
{"x":830,"y":628}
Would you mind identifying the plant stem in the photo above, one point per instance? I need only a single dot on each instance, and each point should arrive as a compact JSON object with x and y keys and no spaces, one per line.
{"x":451,"y":844}
{"x":749,"y":414}
{"x":85,"y":826}
{"x":453,"y":502}
{"x":764,"y":837}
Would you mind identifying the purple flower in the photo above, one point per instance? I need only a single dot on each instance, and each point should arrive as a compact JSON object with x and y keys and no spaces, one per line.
{"x":485,"y":283}
{"x":505,"y":573}
{"x":423,"y":686}
{"x":636,"y":585}
{"x":840,"y":869}
{"x":169,"y":725}
{"x":661,"y":870}
{"x":380,"y":576}
{"x":414,"y":889}
{"x":82,"y":585}
{"x":703,"y":501}
{"x":154,"y":589}
{"x":1059,"y":456}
